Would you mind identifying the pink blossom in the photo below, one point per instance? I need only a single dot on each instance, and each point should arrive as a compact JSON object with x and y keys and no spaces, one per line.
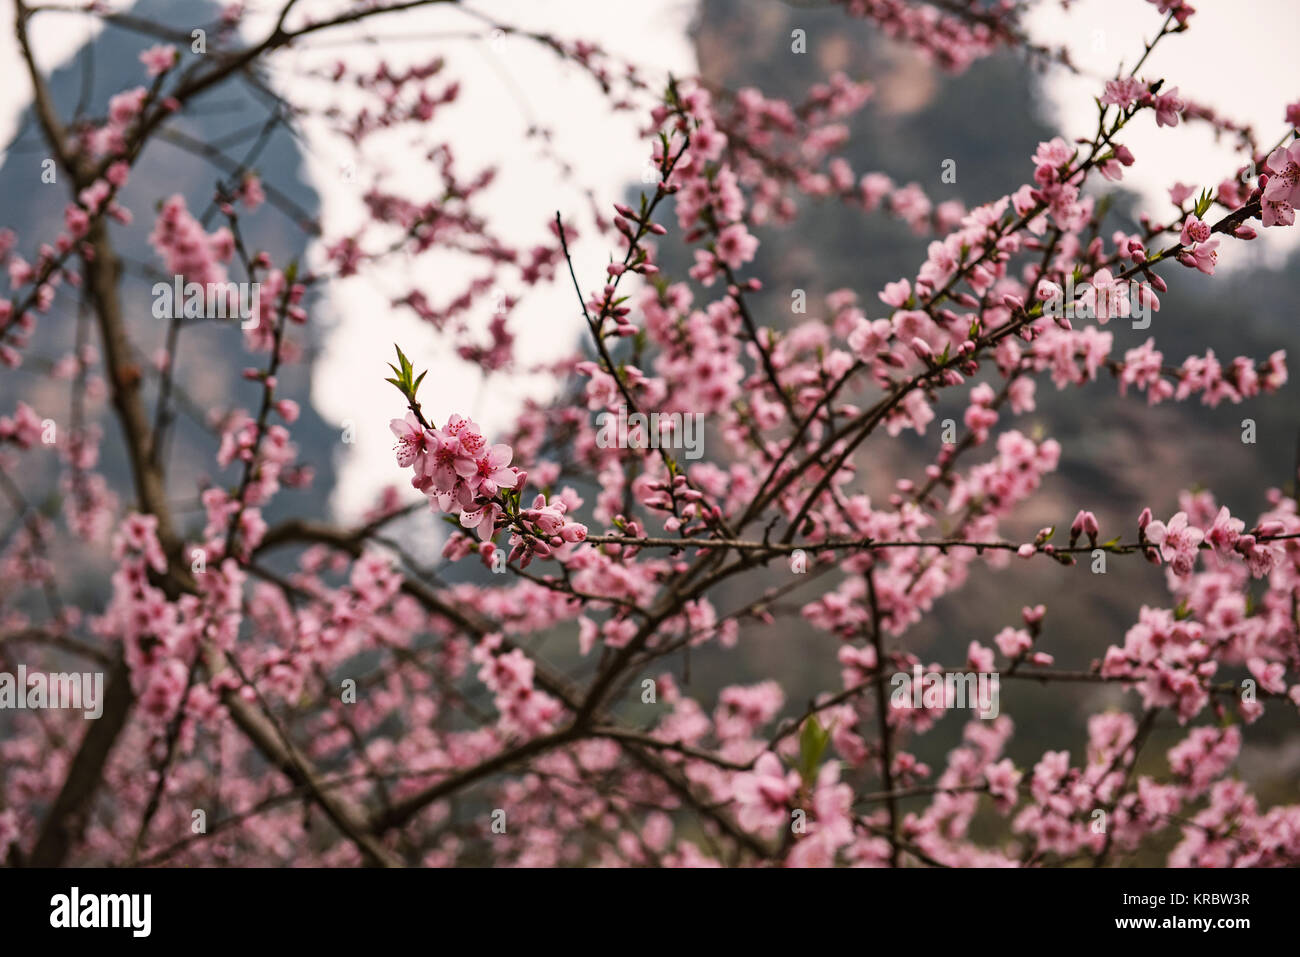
{"x":1168,"y":106}
{"x":1282,"y":193}
{"x":1178,"y":542}
{"x":158,"y":59}
{"x":764,"y":794}
{"x":1123,"y":92}
{"x":1225,"y":531}
{"x":1013,"y":642}
{"x":1194,"y":231}
{"x":735,"y":246}
{"x":413,"y":440}
{"x":1202,"y":256}
{"x":1269,"y":674}
{"x":483,"y":520}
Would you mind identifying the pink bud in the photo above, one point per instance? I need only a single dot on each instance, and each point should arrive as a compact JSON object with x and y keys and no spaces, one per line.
{"x":1032,"y":616}
{"x":889,"y":359}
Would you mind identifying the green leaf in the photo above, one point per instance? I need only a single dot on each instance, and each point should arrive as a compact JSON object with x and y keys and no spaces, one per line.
{"x":405,"y":382}
{"x":1204,"y":202}
{"x":813,"y":739}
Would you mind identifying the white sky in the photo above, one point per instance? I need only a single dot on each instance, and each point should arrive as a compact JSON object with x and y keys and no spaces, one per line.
{"x":509,"y":83}
{"x":1238,"y":56}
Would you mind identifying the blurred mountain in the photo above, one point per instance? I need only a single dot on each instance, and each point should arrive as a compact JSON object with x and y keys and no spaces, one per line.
{"x":233,"y":120}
